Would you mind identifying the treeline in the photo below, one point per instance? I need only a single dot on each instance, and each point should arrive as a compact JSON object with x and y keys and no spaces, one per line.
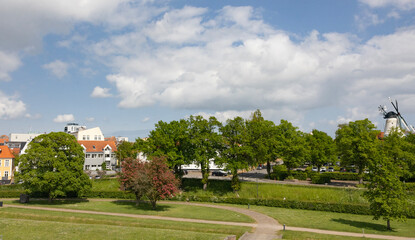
{"x":241,"y":144}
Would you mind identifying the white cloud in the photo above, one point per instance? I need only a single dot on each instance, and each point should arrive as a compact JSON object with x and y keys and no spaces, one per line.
{"x":8,"y":63}
{"x":100,"y":92}
{"x":90,"y":119}
{"x":64,"y":118}
{"x":11,"y":107}
{"x":400,"y":4}
{"x":234,"y":63}
{"x":57,"y":68}
{"x":33,"y":116}
{"x":146,"y":119}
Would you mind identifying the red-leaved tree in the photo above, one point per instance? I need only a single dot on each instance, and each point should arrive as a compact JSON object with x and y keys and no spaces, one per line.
{"x":163,"y":182}
{"x":151,"y":179}
{"x":134,"y":177}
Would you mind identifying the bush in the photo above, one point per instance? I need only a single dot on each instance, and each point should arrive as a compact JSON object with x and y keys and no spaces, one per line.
{"x":300,"y":175}
{"x":320,"y":179}
{"x":10,"y":194}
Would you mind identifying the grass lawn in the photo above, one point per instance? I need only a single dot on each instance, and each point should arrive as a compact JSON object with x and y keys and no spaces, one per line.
{"x":337,"y":221}
{"x":315,"y":236}
{"x":37,"y":225}
{"x":163,"y":209}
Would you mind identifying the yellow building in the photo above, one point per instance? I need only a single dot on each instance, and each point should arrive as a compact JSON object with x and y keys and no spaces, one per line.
{"x":6,"y":163}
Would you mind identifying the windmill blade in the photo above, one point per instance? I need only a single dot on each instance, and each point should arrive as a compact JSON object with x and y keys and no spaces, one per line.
{"x":395,"y":106}
{"x":405,"y":123}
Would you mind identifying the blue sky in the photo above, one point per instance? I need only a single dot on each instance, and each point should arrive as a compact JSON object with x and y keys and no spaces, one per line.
{"x":124,"y":65}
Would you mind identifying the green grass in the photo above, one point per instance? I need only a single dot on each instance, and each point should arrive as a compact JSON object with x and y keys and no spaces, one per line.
{"x":36,"y":224}
{"x":290,"y":192}
{"x":314,"y":236}
{"x":163,"y":209}
{"x":337,"y":221}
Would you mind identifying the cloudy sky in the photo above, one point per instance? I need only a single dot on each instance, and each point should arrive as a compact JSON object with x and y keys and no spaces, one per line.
{"x":124,"y":65}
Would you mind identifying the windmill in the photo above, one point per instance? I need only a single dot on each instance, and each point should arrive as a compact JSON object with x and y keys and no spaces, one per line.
{"x":395,"y":119}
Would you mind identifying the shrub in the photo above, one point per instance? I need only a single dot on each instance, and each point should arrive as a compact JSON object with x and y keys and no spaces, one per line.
{"x":320,"y":179}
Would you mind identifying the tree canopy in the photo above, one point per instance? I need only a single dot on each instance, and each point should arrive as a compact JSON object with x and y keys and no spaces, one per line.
{"x":322,"y":148}
{"x":168,"y":140}
{"x":236,"y":152}
{"x":204,"y":143}
{"x":357,"y":143}
{"x":291,"y":146}
{"x":53,"y":165}
{"x":262,"y":138}
{"x":386,"y":192}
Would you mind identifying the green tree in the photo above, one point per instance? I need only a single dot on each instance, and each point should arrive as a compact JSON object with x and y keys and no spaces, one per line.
{"x":204,"y":141}
{"x":236,"y":152}
{"x":291,"y":145}
{"x":170,"y":141}
{"x":262,"y":139}
{"x":356,"y":144}
{"x":386,"y":193}
{"x":410,"y":161}
{"x":322,"y":148}
{"x":125,"y":150}
{"x":53,"y":165}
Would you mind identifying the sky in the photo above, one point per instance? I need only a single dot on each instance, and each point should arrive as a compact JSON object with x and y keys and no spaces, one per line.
{"x":124,"y":65}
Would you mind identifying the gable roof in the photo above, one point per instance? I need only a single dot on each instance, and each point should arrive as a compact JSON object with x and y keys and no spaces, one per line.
{"x":97,"y":146}
{"x":5,"y":152}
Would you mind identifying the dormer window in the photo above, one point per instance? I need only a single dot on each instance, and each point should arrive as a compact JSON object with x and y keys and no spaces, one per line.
{"x":93,"y":146}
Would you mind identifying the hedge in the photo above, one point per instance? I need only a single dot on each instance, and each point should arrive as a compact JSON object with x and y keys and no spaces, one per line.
{"x":320,"y":178}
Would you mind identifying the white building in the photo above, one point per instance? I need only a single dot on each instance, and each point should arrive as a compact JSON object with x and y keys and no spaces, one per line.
{"x":92,"y":134}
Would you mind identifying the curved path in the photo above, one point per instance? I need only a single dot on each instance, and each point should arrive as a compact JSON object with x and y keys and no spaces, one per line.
{"x":265,"y":227}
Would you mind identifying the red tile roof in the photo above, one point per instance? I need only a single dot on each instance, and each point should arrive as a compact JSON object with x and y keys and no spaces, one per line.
{"x":5,"y":152}
{"x":98,"y":146}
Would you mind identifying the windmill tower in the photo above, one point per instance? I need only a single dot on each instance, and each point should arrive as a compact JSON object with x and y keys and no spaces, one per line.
{"x":395,"y":119}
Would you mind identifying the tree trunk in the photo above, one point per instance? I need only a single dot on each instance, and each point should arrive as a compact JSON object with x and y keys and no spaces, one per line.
{"x":137,"y":199}
{"x":388,"y":224}
{"x":153,"y":204}
{"x":49,"y":199}
{"x":269,"y":169}
{"x":360,"y":174}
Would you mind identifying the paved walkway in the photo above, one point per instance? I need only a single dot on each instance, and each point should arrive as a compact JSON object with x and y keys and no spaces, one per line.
{"x":265,"y":228}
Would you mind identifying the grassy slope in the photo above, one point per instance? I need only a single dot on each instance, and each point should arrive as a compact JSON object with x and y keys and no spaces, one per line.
{"x":314,"y":236}
{"x":337,"y":221}
{"x":38,"y":223}
{"x":163,"y":209}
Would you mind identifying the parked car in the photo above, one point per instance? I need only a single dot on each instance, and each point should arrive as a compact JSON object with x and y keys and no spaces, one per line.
{"x":331,"y":169}
{"x":323,"y":169}
{"x":314,"y":169}
{"x":219,"y":173}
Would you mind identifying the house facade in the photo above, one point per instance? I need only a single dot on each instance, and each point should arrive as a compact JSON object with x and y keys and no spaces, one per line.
{"x":6,"y":164}
{"x":92,"y":134}
{"x":99,"y":152}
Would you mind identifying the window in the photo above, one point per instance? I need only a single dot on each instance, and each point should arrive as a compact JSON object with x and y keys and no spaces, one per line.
{"x":84,"y":137}
{"x":107,"y":155}
{"x":6,"y":174}
{"x":113,"y":155}
{"x":93,"y":155}
{"x":94,"y":166}
{"x":0,"y":162}
{"x":87,"y":155}
{"x":93,"y":146}
{"x":86,"y":167}
{"x":6,"y":163}
{"x":100,"y":155}
{"x":99,"y":137}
